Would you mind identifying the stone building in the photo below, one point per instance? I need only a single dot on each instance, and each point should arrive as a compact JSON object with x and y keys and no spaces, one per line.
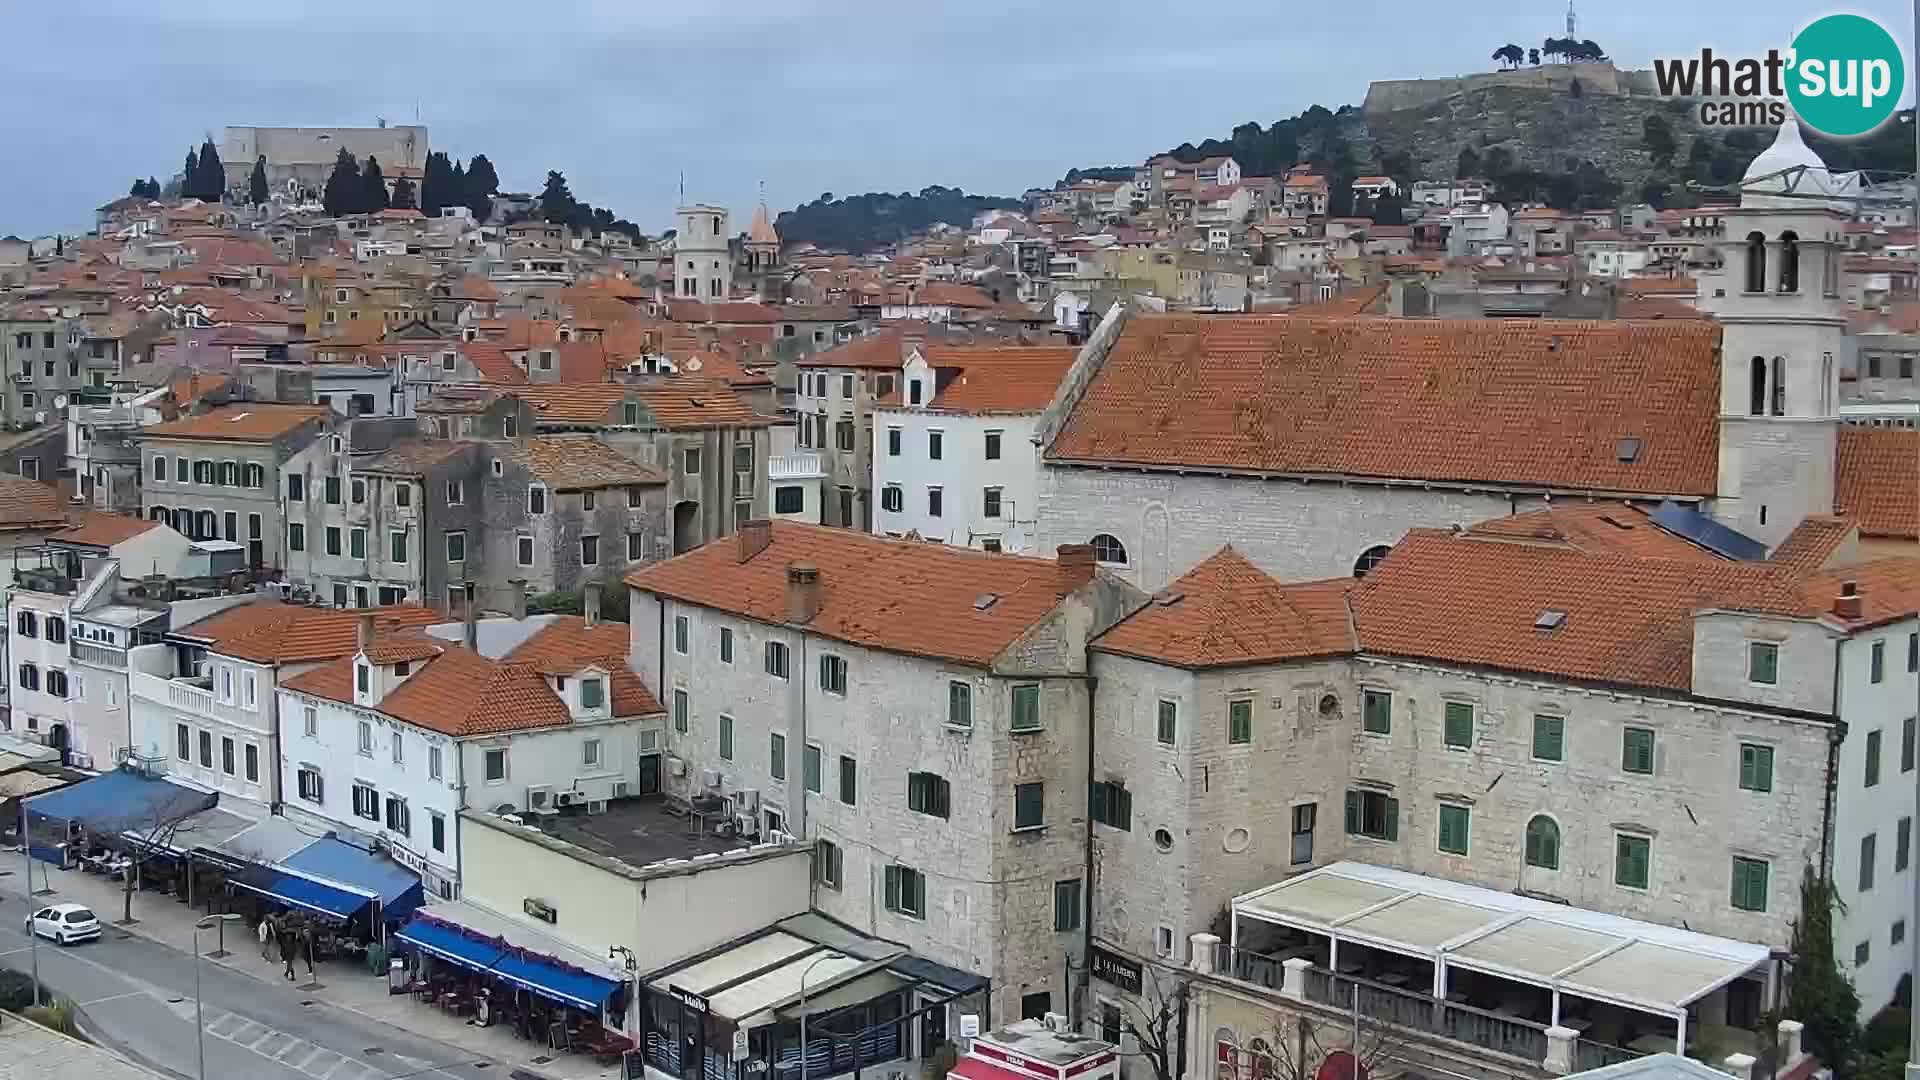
{"x":917,"y":709}
{"x":838,"y":390}
{"x":303,"y":158}
{"x":218,"y":475}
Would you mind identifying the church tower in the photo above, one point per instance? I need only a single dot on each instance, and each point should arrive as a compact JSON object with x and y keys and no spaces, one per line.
{"x":703,"y":263}
{"x":763,"y":253}
{"x":1783,"y":323}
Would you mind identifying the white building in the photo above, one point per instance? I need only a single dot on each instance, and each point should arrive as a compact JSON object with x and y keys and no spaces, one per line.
{"x":916,"y":709}
{"x":532,"y":714}
{"x":702,"y":264}
{"x":954,"y":456}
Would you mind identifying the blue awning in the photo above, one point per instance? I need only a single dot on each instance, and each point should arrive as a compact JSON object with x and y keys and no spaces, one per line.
{"x":449,"y":944}
{"x":119,"y":801}
{"x":578,"y":988}
{"x":303,"y":892}
{"x":331,"y":859}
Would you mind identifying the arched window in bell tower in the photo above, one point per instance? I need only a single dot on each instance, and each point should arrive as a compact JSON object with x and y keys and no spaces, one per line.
{"x":1757,"y":392}
{"x":1756,"y":263}
{"x":1789,"y":262}
{"x":1779,"y":387}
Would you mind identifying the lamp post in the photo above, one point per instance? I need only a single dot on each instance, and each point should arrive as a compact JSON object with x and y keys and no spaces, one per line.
{"x":632,"y":965}
{"x":804,"y":972}
{"x":199,"y":1016}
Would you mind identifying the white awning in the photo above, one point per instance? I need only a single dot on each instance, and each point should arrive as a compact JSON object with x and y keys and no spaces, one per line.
{"x":1639,"y":965}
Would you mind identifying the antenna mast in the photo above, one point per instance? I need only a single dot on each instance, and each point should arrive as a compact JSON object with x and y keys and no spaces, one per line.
{"x":1571,"y":22}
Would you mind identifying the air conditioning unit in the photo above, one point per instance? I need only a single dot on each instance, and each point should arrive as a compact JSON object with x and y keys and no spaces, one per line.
{"x":567,"y":798}
{"x":676,"y":766}
{"x":1057,"y":1023}
{"x":596,"y":806}
{"x":621,"y":789}
{"x":746,"y":801}
{"x":710,"y":778}
{"x":538,"y":797}
{"x":746,"y":825}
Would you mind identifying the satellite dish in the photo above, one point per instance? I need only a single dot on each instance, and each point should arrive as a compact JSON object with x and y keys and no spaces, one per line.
{"x":60,"y":401}
{"x":693,"y":364}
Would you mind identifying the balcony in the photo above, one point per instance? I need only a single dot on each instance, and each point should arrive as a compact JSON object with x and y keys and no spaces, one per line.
{"x":798,"y":466}
{"x":99,"y":655}
{"x":193,"y":696}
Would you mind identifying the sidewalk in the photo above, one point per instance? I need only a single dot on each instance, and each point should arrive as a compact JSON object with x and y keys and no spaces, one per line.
{"x":168,"y":922}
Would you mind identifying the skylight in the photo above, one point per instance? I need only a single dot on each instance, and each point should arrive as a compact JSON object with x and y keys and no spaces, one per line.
{"x":1628,"y":449}
{"x":1550,"y":619}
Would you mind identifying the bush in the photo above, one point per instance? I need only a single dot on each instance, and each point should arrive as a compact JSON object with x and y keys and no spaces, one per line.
{"x":16,"y":990}
{"x":58,"y":1015}
{"x":613,"y":602}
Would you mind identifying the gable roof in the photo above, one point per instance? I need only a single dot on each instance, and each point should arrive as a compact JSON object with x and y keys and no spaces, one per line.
{"x":1227,"y":611}
{"x":416,"y":457}
{"x":1617,"y":528}
{"x":99,"y":529}
{"x":881,"y":349}
{"x":455,"y":691}
{"x":274,"y":633}
{"x":1494,"y":401}
{"x":999,"y":379}
{"x":902,"y":596}
{"x":250,"y":422}
{"x":28,"y":503}
{"x":568,"y":644}
{"x":1813,"y":542}
{"x":579,"y":462}
{"x":1874,"y":471}
{"x":676,"y":402}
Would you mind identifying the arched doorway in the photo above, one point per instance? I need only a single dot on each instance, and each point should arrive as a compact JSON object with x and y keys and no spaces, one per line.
{"x":57,"y":738}
{"x":686,"y":527}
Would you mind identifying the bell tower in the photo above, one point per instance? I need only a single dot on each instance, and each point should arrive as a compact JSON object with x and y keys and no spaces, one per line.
{"x":1783,"y":324}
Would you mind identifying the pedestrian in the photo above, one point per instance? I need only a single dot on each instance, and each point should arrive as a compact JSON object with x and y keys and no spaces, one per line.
{"x":286,"y":951}
{"x":266,"y":937}
{"x":306,"y":943}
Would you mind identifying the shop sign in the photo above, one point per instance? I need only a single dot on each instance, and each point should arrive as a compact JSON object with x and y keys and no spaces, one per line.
{"x":1114,"y":969}
{"x":540,"y":909}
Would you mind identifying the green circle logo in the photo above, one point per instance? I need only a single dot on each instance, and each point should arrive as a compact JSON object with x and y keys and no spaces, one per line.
{"x":1846,"y":75}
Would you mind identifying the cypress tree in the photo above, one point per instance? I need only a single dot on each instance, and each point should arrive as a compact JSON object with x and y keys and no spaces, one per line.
{"x":209,"y":175}
{"x":373,"y":187}
{"x":187,"y":188}
{"x":481,"y":183}
{"x":403,"y":194}
{"x":257,"y":183}
{"x":342,"y":195}
{"x":153,"y":188}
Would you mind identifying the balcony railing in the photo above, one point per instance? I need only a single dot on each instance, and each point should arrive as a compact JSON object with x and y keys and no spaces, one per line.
{"x":99,"y":655}
{"x":181,"y":694}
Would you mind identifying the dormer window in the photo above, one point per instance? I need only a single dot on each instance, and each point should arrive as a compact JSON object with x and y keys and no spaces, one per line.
{"x":403,"y":669}
{"x":593,"y":693}
{"x":362,"y":679}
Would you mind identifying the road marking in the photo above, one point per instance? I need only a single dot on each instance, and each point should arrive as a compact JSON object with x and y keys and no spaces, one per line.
{"x":115,"y":997}
{"x":291,"y":1050}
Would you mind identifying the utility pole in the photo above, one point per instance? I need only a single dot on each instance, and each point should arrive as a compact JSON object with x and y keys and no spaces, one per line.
{"x":26,"y":850}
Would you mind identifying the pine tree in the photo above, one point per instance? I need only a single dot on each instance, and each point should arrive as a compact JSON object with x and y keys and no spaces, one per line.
{"x":257,"y":183}
{"x":557,"y":203}
{"x":138,"y":189}
{"x":209,"y":175}
{"x":373,"y":187}
{"x":342,"y":195}
{"x":457,"y":189}
{"x":153,"y":188}
{"x":187,"y":188}
{"x":403,"y":194}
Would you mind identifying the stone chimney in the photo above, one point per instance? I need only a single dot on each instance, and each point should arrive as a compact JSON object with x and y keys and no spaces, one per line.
{"x":803,"y":592}
{"x":471,"y":612}
{"x":1847,"y":604}
{"x":1076,"y":564}
{"x":519,"y":587}
{"x":365,"y":635}
{"x":590,"y":604}
{"x":754,"y":536}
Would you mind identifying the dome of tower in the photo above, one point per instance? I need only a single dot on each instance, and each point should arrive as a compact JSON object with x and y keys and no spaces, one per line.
{"x":1789,"y":173}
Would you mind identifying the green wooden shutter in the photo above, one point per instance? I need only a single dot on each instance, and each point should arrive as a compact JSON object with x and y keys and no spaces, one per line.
{"x":1353,"y":813}
{"x":1393,"y":819}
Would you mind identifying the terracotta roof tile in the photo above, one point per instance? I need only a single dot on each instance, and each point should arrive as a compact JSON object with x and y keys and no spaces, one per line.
{"x":677,"y":402}
{"x":999,"y":379}
{"x":1598,"y":528}
{"x":274,"y":633}
{"x":1226,"y":611}
{"x":882,"y":349}
{"x":27,"y":503}
{"x":1877,"y":480}
{"x":98,"y":529}
{"x":416,"y":458}
{"x":403,"y":647}
{"x":458,"y":693}
{"x":250,"y":422}
{"x":579,"y":462}
{"x":566,"y":645}
{"x":1813,"y":542}
{"x":1889,"y":589}
{"x":902,"y":596}
{"x":1501,"y":401}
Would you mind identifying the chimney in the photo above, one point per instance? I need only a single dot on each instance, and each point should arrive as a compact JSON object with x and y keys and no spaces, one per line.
{"x":909,"y":343}
{"x":519,"y":587}
{"x":754,"y":537}
{"x":1847,"y":604}
{"x":470,"y":612}
{"x":365,"y":635}
{"x":803,"y":592}
{"x":1076,"y":563}
{"x":591,"y":604}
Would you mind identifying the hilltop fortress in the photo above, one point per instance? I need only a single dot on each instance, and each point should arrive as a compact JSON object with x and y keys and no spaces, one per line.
{"x":1601,"y":79}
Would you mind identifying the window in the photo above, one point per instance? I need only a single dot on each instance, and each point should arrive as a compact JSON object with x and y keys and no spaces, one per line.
{"x":296,"y":483}
{"x":833,"y":674}
{"x":789,"y":499}
{"x":593,"y":693}
{"x":990,"y":502}
{"x":811,"y":768}
{"x":906,"y":892}
{"x":913,"y":392}
{"x":1107,"y":548}
{"x":993,"y":446}
{"x":1749,"y":884}
{"x":160,"y":468}
{"x":1902,"y":843}
{"x":366,"y":802}
{"x":1872,"y":776}
{"x":1457,"y":728}
{"x":681,"y":705}
{"x":356,"y":491}
{"x":934,"y":441}
{"x":587,"y":500}
{"x":252,"y":756}
{"x":1543,"y":843}
{"x":437,"y":831}
{"x":1167,"y":723}
{"x":726,"y":737}
{"x":726,"y":645}
{"x":1029,"y":806}
{"x":1862,"y":953}
{"x":536,"y":499}
{"x":846,"y":386}
{"x":1756,"y":767}
{"x":777,"y":659}
{"x":590,"y":752}
{"x":27,"y":624}
{"x":456,"y":493}
{"x":330,"y":489}
{"x":827,"y":866}
{"x":433,"y":763}
{"x":1305,"y":815}
{"x":1763,"y":662}
{"x":495,"y":765}
{"x":1549,"y":737}
{"x":456,"y":546}
{"x":777,"y":755}
{"x":183,"y":469}
{"x":1906,"y":744}
{"x":1868,"y":845}
{"x":356,"y":543}
{"x":307,"y":779}
{"x":1899,"y":932}
{"x":399,"y":818}
{"x":1026,"y":707}
{"x":1913,"y":652}
{"x":1636,"y":751}
{"x":959,"y":704}
{"x":636,"y":546}
{"x":589,"y":551}
{"x":893,"y":442}
{"x":1632,"y":860}
{"x":929,"y":793}
{"x":523,"y":550}
{"x":1456,"y":826}
{"x":1066,"y":905}
{"x":331,"y":539}
{"x":1110,"y":803}
{"x":1373,"y":814}
{"x":849,"y":780}
{"x":227,"y":761}
{"x":366,"y":734}
{"x":310,"y":720}
{"x":933,"y":502}
{"x":182,"y":742}
{"x":892,"y":498}
{"x":1240,"y":721}
{"x":1376,"y":712}
{"x":397,"y":546}
{"x":56,"y":628}
{"x":296,"y":536}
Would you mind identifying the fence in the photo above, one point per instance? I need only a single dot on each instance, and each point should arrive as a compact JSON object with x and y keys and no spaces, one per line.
{"x":1588,"y":1054}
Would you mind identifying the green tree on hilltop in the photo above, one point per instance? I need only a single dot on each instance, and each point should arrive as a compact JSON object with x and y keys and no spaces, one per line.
{"x":209,"y":175}
{"x":373,"y":187}
{"x":403,"y":194}
{"x":257,"y":183}
{"x":342,"y":194}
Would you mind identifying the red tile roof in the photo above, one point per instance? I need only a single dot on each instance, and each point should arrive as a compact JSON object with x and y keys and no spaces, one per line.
{"x":994,"y":379}
{"x":1875,"y":471}
{"x":579,"y":462}
{"x":1598,"y":528}
{"x":567,"y":644}
{"x":1226,"y":611}
{"x":1498,"y":401}
{"x":879,"y":350}
{"x":273,"y":633}
{"x":679,"y":402}
{"x":249,"y":422}
{"x":92,"y":527}
{"x":1812,"y":542}
{"x":28,"y":503}
{"x":902,"y":596}
{"x":457,"y":693}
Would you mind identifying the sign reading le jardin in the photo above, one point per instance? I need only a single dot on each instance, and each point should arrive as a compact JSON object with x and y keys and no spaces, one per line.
{"x":1842,"y":75}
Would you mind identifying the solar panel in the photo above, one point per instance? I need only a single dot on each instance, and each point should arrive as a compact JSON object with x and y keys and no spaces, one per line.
{"x":1692,"y":525}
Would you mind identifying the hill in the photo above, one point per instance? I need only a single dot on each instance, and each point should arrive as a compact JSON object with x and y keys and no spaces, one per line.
{"x":861,"y":223}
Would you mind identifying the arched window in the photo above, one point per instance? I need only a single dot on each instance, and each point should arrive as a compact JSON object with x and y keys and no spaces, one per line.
{"x":1779,"y":386}
{"x":1108,"y":549}
{"x":1543,"y":843}
{"x":206,"y":526}
{"x":1370,"y":558}
{"x":1757,"y":391}
{"x":1756,"y":262}
{"x":1789,"y":262}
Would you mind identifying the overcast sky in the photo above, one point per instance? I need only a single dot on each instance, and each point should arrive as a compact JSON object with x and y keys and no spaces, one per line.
{"x":625,"y":95}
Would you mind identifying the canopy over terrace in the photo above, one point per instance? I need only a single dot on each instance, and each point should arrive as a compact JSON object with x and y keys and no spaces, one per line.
{"x":1607,"y":958}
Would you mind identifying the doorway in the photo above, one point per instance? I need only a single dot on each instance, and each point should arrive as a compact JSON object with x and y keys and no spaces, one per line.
{"x":57,"y":738}
{"x":650,"y":774}
{"x":686,"y":527}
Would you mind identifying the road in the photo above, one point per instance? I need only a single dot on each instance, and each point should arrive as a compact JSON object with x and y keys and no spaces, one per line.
{"x":137,"y":996}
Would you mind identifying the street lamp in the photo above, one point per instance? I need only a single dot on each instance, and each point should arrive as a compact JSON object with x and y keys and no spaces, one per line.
{"x":804,"y":972}
{"x":199,"y":1016}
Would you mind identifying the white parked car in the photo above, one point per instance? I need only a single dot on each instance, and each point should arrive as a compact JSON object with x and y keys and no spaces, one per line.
{"x":64,"y":923}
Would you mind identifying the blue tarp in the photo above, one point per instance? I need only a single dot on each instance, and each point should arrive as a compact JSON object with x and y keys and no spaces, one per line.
{"x":577,"y":988}
{"x":336,"y":860}
{"x":119,"y":801}
{"x":448,"y":944}
{"x":302,"y":892}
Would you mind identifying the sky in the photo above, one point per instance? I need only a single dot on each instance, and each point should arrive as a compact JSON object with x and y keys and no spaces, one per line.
{"x":625,"y":96}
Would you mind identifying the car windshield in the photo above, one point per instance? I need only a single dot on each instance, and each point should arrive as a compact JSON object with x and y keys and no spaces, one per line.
{"x":80,"y":916}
